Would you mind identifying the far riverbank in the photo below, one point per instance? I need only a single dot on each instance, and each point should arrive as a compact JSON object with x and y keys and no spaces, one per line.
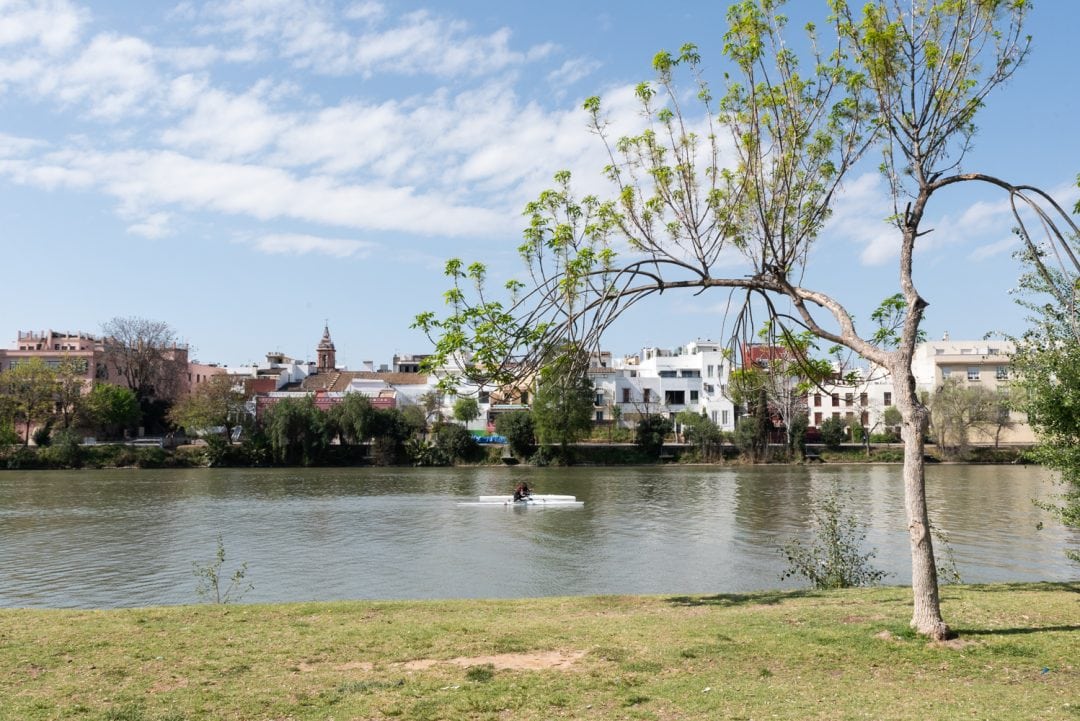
{"x":128,"y":455}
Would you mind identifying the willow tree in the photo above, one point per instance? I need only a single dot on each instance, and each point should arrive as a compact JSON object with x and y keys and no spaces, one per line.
{"x":754,"y":174}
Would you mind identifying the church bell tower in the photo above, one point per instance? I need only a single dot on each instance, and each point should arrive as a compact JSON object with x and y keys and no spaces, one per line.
{"x":326,"y":352}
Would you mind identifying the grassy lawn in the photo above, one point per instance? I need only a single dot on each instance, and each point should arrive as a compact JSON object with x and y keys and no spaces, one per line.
{"x":801,"y":655}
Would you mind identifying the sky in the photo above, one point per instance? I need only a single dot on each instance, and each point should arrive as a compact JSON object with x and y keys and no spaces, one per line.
{"x":250,"y":170}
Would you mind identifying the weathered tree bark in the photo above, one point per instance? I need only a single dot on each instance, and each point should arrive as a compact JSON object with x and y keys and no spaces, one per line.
{"x":926,"y":617}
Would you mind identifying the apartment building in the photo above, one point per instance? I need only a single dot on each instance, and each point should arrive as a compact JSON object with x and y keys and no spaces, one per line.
{"x":661,"y":381}
{"x":983,"y":363}
{"x":87,"y":352}
{"x":861,"y":398}
{"x":54,"y":348}
{"x":865,"y":399}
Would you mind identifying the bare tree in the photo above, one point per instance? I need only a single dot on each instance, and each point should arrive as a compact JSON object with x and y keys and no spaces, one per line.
{"x":755,"y":174}
{"x":147,"y":355}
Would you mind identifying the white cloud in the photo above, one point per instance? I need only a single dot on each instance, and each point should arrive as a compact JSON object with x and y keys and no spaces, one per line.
{"x":369,"y":10}
{"x":223,"y":125}
{"x":312,"y":36}
{"x":860,"y":209}
{"x":859,"y":216}
{"x":113,"y":74}
{"x":1005,"y":245}
{"x":300,"y":244}
{"x":51,"y":25}
{"x":13,"y":145}
{"x":153,"y":226}
{"x":191,"y":57}
{"x":144,"y":180}
{"x":571,"y":71}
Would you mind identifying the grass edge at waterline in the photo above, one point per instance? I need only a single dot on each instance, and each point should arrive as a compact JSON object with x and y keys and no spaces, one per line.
{"x":788,"y":655}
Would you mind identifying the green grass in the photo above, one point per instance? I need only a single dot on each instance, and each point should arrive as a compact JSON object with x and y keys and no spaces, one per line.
{"x":798,"y":655}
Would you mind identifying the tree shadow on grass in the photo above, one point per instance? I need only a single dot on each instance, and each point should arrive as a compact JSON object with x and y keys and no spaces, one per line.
{"x":766,"y":598}
{"x":1042,"y":586}
{"x":1014,"y":631}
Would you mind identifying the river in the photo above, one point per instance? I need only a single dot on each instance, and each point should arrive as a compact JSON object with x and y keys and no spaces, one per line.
{"x":124,"y":538}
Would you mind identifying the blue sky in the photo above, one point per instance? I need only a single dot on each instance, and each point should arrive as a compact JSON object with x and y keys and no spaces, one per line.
{"x":248,"y":169}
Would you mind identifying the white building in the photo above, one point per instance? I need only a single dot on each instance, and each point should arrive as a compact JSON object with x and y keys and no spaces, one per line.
{"x":863,"y":400}
{"x":666,"y":382}
{"x":970,"y":362}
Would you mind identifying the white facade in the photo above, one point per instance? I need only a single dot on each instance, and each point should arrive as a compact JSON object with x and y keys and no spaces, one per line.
{"x":862,"y":401}
{"x":665,"y":382}
{"x":970,"y":362}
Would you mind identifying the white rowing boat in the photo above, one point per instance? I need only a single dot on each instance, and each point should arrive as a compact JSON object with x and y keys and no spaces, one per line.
{"x":541,"y":500}
{"x":534,"y":496}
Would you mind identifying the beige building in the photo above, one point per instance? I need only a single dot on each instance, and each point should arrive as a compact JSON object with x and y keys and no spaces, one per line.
{"x":88,"y":353}
{"x":971,"y":362}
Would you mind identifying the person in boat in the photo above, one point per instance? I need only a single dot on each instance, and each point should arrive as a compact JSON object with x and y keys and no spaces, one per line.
{"x":522,"y":492}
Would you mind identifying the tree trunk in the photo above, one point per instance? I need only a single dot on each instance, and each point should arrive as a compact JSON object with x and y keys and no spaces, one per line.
{"x":926,"y":618}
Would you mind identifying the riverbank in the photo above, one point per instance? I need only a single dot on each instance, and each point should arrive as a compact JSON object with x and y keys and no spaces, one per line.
{"x":118,"y":455}
{"x":794,"y":655}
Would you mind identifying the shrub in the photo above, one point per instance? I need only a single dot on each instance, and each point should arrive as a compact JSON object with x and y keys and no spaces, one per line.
{"x":456,"y":443}
{"x":650,"y":435}
{"x":64,"y":452}
{"x":833,"y":558}
{"x":833,"y":433}
{"x":22,"y":458}
{"x":151,"y":457}
{"x":517,"y":427}
{"x":43,"y":435}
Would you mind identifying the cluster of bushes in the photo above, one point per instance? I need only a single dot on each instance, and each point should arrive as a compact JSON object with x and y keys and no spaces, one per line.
{"x":65,"y":455}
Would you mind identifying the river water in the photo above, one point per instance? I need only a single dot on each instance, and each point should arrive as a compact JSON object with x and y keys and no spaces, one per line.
{"x":117,"y":538}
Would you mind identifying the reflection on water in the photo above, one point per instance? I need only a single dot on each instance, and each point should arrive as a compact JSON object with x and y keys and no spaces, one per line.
{"x":129,"y":538}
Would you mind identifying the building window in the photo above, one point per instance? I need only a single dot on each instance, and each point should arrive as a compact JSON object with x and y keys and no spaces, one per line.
{"x":690,"y":374}
{"x":675,"y":398}
{"x":817,"y":419}
{"x":864,"y":418}
{"x":668,"y":374}
{"x":817,"y":399}
{"x":849,"y":399}
{"x":484,"y":397}
{"x":625,"y":395}
{"x":723,"y":417}
{"x":863,"y":400}
{"x":836,"y":399}
{"x":1002,"y":373}
{"x":973,"y":373}
{"x":708,"y":371}
{"x":524,"y":399}
{"x":714,"y":417}
{"x":599,"y":416}
{"x":945,"y":372}
{"x":693,"y":396}
{"x":600,"y":398}
{"x":836,"y":415}
{"x":709,"y":388}
{"x":646,"y":395}
{"x":887,"y":400}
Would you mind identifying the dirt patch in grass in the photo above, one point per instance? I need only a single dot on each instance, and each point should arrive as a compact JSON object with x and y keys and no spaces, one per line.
{"x":534,"y":661}
{"x":955,"y":644}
